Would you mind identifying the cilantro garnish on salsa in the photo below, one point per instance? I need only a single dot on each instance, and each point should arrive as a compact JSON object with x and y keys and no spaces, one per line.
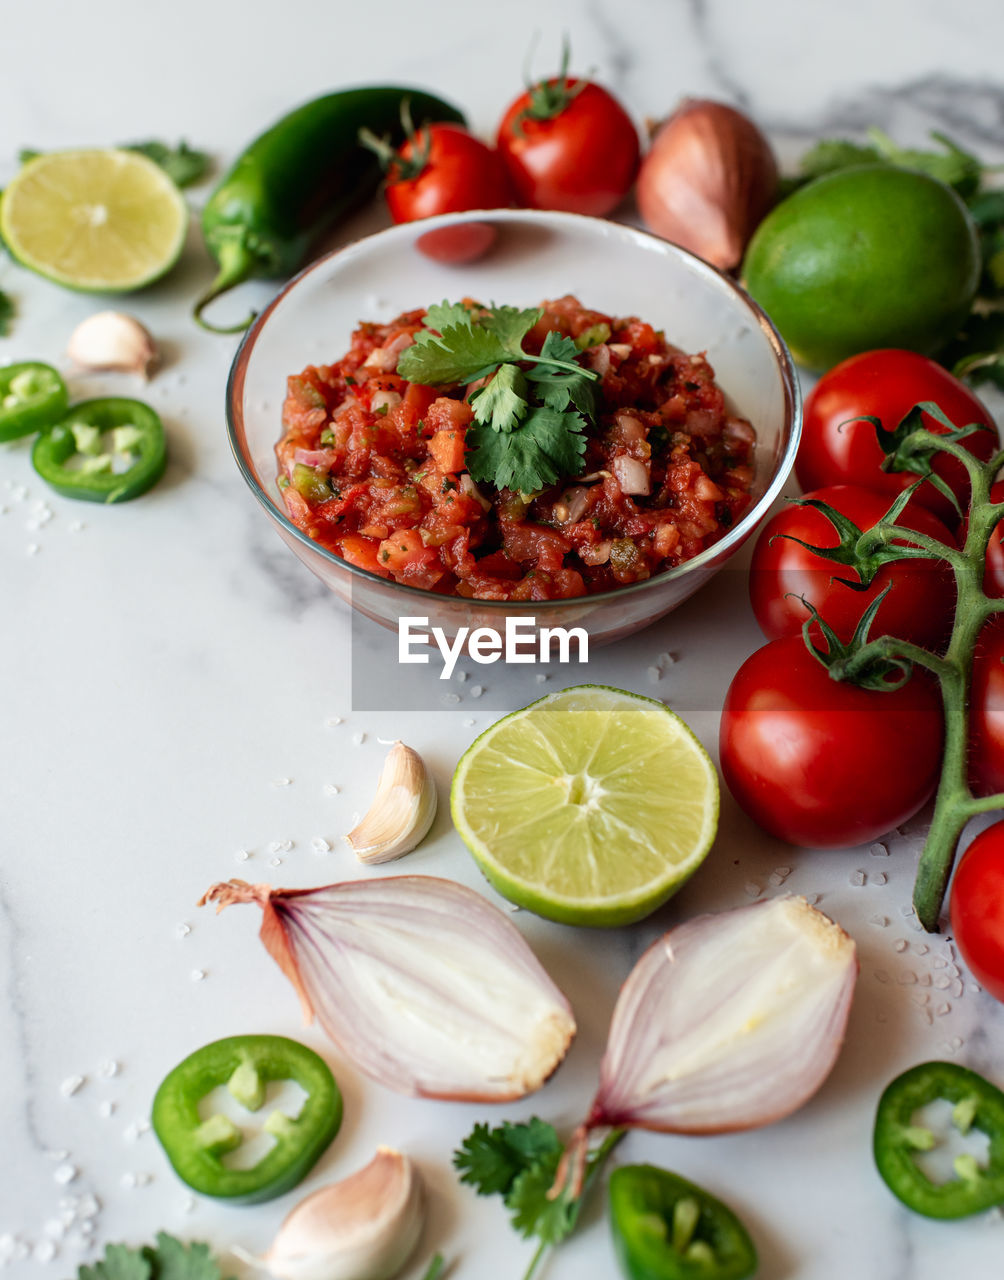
{"x":506,"y":454}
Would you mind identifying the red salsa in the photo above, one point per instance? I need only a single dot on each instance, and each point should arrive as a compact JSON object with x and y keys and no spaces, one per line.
{"x":372,"y":467}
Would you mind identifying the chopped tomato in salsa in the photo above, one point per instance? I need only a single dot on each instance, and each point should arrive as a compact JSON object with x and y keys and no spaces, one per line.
{"x":372,"y":468}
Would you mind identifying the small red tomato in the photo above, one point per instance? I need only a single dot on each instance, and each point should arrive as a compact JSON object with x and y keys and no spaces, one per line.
{"x":993,"y":578}
{"x":986,"y":711}
{"x":821,"y":763}
{"x":886,"y":384}
{"x":442,"y":168}
{"x":569,"y":144}
{"x":920,"y":603}
{"x":977,"y":909}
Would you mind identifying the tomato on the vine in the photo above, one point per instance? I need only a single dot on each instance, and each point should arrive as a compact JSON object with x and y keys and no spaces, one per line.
{"x":568,"y":144}
{"x":441,"y":168}
{"x":919,"y":604}
{"x":986,"y":711}
{"x":886,"y":384}
{"x":822,"y":763}
{"x":977,"y":908}
{"x":993,"y":577}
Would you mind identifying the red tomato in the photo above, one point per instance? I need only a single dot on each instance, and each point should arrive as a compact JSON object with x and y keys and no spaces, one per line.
{"x":977,"y":909}
{"x":986,"y":712}
{"x":993,"y":578}
{"x":583,"y":157}
{"x":824,"y":764}
{"x":919,"y":606}
{"x":886,"y":385}
{"x":443,"y":169}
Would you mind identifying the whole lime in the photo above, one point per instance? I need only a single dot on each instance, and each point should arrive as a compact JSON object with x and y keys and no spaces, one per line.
{"x":867,"y":257}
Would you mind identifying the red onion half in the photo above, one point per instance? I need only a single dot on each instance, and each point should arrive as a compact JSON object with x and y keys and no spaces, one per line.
{"x":423,"y":984}
{"x":727,"y":1022}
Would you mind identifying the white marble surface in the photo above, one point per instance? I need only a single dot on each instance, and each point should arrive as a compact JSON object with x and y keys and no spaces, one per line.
{"x":169,"y":675}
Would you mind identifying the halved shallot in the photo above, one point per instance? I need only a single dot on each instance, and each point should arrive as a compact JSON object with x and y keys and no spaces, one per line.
{"x":727,"y":1022}
{"x":424,"y":984}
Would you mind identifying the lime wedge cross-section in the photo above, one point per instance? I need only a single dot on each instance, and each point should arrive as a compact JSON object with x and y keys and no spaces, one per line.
{"x":101,"y":221}
{"x":590,"y":806}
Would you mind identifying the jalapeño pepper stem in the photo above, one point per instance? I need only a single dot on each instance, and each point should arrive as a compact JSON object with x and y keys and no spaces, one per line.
{"x":237,"y":264}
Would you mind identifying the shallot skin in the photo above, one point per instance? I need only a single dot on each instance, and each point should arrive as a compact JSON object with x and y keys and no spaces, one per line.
{"x":707,"y":181}
{"x":728,"y":1022}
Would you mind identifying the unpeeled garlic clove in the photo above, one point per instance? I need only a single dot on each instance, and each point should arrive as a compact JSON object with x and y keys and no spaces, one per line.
{"x":112,"y":340}
{"x":402,"y":811}
{"x":362,"y":1228}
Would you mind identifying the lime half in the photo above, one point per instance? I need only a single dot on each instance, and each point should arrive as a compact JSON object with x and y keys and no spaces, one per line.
{"x":591,"y":806}
{"x":102,"y":221}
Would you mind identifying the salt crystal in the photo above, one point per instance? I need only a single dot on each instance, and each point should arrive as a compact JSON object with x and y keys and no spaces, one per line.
{"x":89,"y":1206}
{"x":813,"y":898}
{"x":280,"y":846}
{"x":128,"y":1180}
{"x":900,"y":944}
{"x":44,"y":1251}
{"x":65,"y":1174}
{"x":476,"y":690}
{"x":858,"y":878}
{"x":654,"y":675}
{"x":753,"y":890}
{"x":71,"y":1085}
{"x":881,"y":921}
{"x":667,"y":659}
{"x":108,"y":1069}
{"x":77,"y":526}
{"x":359,"y":739}
{"x":32,"y":548}
{"x":469,"y":724}
{"x":275,"y":862}
{"x":942,"y":1009}
{"x":957,"y":989}
{"x":130,"y":1133}
{"x":920,"y":997}
{"x":879,"y":851}
{"x":939,"y":962}
{"x":188,"y":1204}
{"x":106,"y":1109}
{"x":332,"y":721}
{"x":282,"y":782}
{"x":242,"y":855}
{"x":451,"y":698}
{"x":775,"y":879}
{"x":183,"y":929}
{"x":881,"y":976}
{"x":906,"y":910}
{"x":143,"y":1179}
{"x":942,"y":983}
{"x":907,"y":979}
{"x":782,"y":871}
{"x":955,"y":1042}
{"x":55,"y":1228}
{"x":462,"y":677}
{"x":331,"y":790}
{"x":540,"y":677}
{"x":924,"y":979}
{"x":320,"y":845}
{"x":921,"y":948}
{"x":880,"y":878}
{"x":197,"y":975}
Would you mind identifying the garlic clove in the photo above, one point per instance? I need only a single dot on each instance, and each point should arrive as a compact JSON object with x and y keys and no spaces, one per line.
{"x":402,"y":811}
{"x":112,"y":340}
{"x":362,"y":1228}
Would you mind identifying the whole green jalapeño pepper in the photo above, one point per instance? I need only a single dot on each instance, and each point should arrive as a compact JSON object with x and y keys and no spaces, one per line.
{"x":32,"y":396}
{"x":295,"y":181}
{"x":196,"y":1145}
{"x":107,"y":450}
{"x":666,"y":1228}
{"x":976,"y":1103}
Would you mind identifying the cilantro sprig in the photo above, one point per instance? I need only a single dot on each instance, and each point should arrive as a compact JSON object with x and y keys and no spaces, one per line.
{"x":529,"y":419}
{"x":169,"y":1259}
{"x":519,"y":1162}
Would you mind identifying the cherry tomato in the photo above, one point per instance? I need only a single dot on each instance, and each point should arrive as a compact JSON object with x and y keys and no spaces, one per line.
{"x":993,"y":578}
{"x":886,"y":384}
{"x":568,"y":144}
{"x":977,"y":909}
{"x":919,"y":606}
{"x":986,"y":712}
{"x":825,"y":764}
{"x":444,"y":169}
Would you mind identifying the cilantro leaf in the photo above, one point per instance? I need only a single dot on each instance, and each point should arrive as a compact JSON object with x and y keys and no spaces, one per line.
{"x":447,"y":315}
{"x":835,"y":153}
{"x":491,"y":1160}
{"x":511,"y":325}
{"x":557,"y":347}
{"x":501,"y":403}
{"x":6,"y":314}
{"x":176,"y":1261}
{"x":547,"y":446}
{"x":459,"y":353}
{"x":953,"y":166}
{"x":119,"y":1263}
{"x":182,"y":164}
{"x":533,"y":1214}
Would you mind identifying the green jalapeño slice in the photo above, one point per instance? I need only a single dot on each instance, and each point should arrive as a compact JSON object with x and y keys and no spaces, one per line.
{"x":197,"y":1144}
{"x":32,"y":397}
{"x":666,"y":1228}
{"x":976,"y":1104}
{"x":107,"y":450}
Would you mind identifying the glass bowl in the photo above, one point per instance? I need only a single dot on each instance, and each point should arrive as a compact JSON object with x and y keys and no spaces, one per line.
{"x":537,"y":255}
